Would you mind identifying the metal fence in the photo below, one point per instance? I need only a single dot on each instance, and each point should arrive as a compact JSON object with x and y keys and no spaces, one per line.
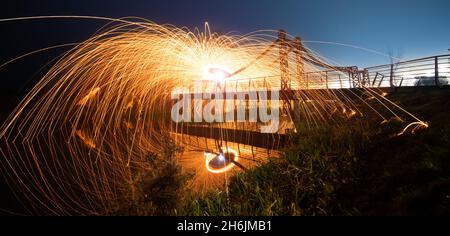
{"x":428,"y":71}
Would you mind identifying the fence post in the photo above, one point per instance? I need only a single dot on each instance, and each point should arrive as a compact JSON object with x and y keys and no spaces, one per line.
{"x":391,"y":77}
{"x":375,"y":79}
{"x":349,"y":79}
{"x":436,"y":72}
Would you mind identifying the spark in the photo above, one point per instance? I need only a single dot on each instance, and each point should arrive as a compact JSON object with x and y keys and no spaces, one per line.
{"x":89,"y":96}
{"x":416,"y":126}
{"x":130,"y":67}
{"x":85,"y":139}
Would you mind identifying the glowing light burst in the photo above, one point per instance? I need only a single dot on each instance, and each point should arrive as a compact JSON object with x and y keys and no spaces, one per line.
{"x":76,"y":141}
{"x":222,"y":162}
{"x":216,"y":73}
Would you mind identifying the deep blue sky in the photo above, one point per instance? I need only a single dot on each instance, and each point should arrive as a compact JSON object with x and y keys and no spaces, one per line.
{"x":410,"y":29}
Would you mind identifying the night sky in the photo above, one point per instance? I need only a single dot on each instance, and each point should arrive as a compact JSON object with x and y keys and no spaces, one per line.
{"x":408,"y":28}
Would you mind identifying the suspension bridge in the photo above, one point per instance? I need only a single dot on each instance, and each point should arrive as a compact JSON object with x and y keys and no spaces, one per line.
{"x":298,"y":87}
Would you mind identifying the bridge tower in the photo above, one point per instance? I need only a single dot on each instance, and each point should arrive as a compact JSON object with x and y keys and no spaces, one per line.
{"x":284,"y":72}
{"x":301,"y":78}
{"x":298,"y":50}
{"x":286,"y":93}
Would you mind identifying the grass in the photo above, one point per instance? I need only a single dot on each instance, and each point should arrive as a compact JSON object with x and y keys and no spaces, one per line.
{"x":158,"y":191}
{"x":354,"y":168}
{"x":410,"y":174}
{"x":304,"y":181}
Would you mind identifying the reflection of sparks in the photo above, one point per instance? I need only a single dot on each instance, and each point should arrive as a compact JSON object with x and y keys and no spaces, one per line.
{"x":211,"y":156}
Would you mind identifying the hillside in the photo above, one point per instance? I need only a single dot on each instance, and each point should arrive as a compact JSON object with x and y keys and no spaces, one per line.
{"x":357,"y":168}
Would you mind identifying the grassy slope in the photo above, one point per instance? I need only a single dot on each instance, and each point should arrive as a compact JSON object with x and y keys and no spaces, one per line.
{"x":410,"y":174}
{"x":353,"y":168}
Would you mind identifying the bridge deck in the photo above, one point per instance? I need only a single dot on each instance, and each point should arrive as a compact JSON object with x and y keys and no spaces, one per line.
{"x":251,"y":138}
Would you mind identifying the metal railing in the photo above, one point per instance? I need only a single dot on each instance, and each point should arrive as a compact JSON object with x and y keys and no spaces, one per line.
{"x":428,"y":71}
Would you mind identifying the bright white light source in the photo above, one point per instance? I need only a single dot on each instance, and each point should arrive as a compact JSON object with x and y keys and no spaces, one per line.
{"x":215,"y":73}
{"x":222,"y":160}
